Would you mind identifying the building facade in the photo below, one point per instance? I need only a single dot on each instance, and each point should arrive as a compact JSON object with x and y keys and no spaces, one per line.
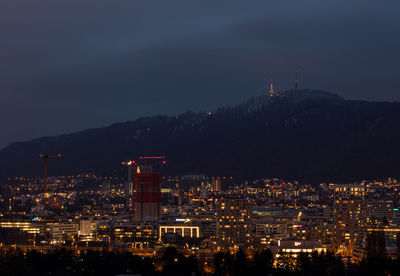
{"x":350,"y":218}
{"x":234,"y":223}
{"x":147,"y":196}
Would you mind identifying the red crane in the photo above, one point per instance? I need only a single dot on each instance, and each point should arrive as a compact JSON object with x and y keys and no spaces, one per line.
{"x":46,"y":157}
{"x":150,"y":161}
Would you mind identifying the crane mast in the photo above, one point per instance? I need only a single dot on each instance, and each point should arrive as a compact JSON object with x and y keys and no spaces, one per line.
{"x":46,"y":157}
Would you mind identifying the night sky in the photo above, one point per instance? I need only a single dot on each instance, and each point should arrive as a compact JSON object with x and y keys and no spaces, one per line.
{"x":67,"y":65}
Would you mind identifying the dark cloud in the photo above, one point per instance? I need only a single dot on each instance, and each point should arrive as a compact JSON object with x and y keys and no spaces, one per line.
{"x":70,"y":65}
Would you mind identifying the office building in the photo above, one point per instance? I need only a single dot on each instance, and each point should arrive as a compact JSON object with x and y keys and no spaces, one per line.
{"x":350,"y":218}
{"x":234,"y":222}
{"x":147,"y":196}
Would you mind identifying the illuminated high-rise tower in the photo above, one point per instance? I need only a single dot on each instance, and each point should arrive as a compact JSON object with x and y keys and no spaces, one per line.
{"x":271,"y":89}
{"x":234,"y":222}
{"x":148,"y":196}
{"x":350,"y":218}
{"x":216,"y":184}
{"x":147,"y":191}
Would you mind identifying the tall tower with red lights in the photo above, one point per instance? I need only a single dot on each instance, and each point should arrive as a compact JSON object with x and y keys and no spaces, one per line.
{"x":271,"y":91}
{"x":296,"y":78}
{"x":147,"y":197}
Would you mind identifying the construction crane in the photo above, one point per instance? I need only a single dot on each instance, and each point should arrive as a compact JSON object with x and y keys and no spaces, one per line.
{"x":144,"y":164}
{"x":134,"y":166}
{"x":149,"y":161}
{"x":46,"y":157}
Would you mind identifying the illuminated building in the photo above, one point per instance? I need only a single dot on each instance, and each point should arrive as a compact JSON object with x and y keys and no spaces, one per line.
{"x":104,"y":232}
{"x":139,"y":234}
{"x":234,"y":222}
{"x":87,"y":229}
{"x":295,"y":247}
{"x":209,"y":229}
{"x":147,"y":196}
{"x":349,"y":218}
{"x":107,"y":187}
{"x":184,"y":231}
{"x":216,"y":184}
{"x":21,"y":233}
{"x":10,"y":236}
{"x":318,"y":224}
{"x":391,"y":236}
{"x":61,"y":231}
{"x":55,"y":201}
{"x":380,"y":212}
{"x":28,"y":227}
{"x":269,"y":231}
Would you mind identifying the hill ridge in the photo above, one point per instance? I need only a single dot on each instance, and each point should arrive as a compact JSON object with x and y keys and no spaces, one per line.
{"x":308,"y":135}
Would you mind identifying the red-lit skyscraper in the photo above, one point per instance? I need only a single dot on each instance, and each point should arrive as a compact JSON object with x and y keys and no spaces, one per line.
{"x":147,"y":196}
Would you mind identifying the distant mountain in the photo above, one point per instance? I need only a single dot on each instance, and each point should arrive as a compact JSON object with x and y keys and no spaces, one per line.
{"x":307,"y":135}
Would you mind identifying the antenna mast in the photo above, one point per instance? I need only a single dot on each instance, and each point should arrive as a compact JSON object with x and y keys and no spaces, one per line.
{"x":271,"y":89}
{"x":296,"y":78}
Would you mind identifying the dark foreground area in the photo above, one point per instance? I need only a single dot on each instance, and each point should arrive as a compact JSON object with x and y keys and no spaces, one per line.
{"x":66,"y":262}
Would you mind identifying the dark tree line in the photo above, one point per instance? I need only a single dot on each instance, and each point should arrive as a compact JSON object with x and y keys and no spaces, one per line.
{"x":172,"y":262}
{"x":65,"y":262}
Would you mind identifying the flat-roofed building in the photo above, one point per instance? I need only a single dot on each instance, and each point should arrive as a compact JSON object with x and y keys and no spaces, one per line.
{"x":234,"y":222}
{"x":60,"y":231}
{"x":350,"y":218}
{"x":184,"y":231}
{"x":295,"y":247}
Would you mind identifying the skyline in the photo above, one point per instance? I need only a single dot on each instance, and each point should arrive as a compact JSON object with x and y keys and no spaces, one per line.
{"x":68,"y":66}
{"x":199,"y":138}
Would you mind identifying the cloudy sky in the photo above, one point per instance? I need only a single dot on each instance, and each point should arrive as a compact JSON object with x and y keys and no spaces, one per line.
{"x":67,"y":65}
